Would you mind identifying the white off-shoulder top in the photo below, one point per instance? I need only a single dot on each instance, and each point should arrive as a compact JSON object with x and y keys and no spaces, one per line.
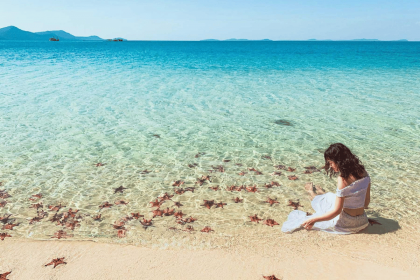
{"x":355,"y":193}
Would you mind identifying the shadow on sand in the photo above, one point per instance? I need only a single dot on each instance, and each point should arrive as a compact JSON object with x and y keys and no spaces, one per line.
{"x":386,"y":226}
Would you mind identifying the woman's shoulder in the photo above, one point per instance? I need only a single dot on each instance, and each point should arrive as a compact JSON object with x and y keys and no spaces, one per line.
{"x":341,"y":183}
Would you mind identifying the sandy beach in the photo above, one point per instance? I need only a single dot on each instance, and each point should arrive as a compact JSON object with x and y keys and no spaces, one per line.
{"x":379,"y":252}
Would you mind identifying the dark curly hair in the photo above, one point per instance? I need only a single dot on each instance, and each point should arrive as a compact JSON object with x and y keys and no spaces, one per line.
{"x":348,"y":163}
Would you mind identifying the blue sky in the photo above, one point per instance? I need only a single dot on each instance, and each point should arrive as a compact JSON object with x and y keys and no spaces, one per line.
{"x":198,"y":19}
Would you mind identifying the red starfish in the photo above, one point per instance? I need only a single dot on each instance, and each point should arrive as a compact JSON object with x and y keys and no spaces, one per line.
{"x":271,"y":201}
{"x":136,"y":215}
{"x":35,"y":220}
{"x":61,"y":234}
{"x":216,"y":188}
{"x":208,"y":203}
{"x":291,"y":169}
{"x":5,"y":219}
{"x":105,"y":205}
{"x":156,"y":203}
{"x":35,"y":196}
{"x":42,"y":214}
{"x":178,"y":204}
{"x":173,"y":228}
{"x":146,"y":171}
{"x":4,"y":275}
{"x":220,"y":204}
{"x":200,"y":181}
{"x":238,"y":200}
{"x":276,"y":173}
{"x":73,"y":224}
{"x":4,"y":235}
{"x":266,"y":157}
{"x":3,"y":203}
{"x":10,"y":226}
{"x":56,"y":218}
{"x":292,"y":177}
{"x":252,"y":189}
{"x":97,"y":217}
{"x":168,"y":212}
{"x":312,"y":169}
{"x":56,"y":262}
{"x":275,"y":184}
{"x":179,"y":191}
{"x":231,"y":188}
{"x":99,"y":164}
{"x":36,"y":205}
{"x":373,"y":222}
{"x":270,"y":222}
{"x":120,"y":189}
{"x":4,"y":194}
{"x":118,"y":202}
{"x":219,"y":168}
{"x":193,"y":165}
{"x":295,"y":205}
{"x":146,"y":223}
{"x":187,"y":220}
{"x":121,"y":233}
{"x":207,"y":229}
{"x":179,"y":214}
{"x":178,"y":183}
{"x":255,"y":218}
{"x":189,"y":189}
{"x":199,"y":155}
{"x":238,"y":164}
{"x":308,"y":172}
{"x":166,"y":196}
{"x":157,"y":213}
{"x":226,"y":160}
{"x":271,"y":277}
{"x":55,"y":208}
{"x":242,"y":173}
{"x":190,"y":220}
{"x":72,"y":213}
{"x":189,"y":229}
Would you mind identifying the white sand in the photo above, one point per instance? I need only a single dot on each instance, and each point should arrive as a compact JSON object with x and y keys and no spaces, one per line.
{"x":301,"y":255}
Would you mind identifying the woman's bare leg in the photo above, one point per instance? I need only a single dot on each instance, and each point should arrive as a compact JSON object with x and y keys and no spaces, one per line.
{"x":309,"y":187}
{"x":319,"y":190}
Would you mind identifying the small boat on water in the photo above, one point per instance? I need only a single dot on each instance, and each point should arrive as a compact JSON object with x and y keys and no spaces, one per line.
{"x":53,"y":39}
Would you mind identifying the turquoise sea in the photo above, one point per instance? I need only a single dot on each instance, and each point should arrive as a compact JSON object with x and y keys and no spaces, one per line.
{"x":135,"y":106}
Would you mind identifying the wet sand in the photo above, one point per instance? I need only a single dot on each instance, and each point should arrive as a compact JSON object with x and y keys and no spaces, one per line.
{"x":390,"y":251}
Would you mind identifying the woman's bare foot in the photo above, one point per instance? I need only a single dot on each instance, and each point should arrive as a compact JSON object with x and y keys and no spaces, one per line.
{"x":319,"y":190}
{"x":309,"y":187}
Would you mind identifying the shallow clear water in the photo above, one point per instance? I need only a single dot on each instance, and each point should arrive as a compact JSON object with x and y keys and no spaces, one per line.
{"x":65,"y":106}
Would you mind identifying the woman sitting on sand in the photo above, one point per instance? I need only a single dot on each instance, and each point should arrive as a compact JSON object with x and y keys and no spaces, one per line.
{"x":343,"y":212}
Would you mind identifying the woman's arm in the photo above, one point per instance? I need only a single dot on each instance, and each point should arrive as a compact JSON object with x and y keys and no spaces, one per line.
{"x":367,"y":199}
{"x":338,"y":207}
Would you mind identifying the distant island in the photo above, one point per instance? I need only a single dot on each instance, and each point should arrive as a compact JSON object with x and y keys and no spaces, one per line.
{"x":14,"y":33}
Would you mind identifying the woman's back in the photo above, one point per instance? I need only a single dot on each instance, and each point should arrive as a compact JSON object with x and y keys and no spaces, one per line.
{"x":356,"y":193}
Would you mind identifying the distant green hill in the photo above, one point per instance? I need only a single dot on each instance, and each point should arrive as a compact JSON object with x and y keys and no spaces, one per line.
{"x":14,"y":33}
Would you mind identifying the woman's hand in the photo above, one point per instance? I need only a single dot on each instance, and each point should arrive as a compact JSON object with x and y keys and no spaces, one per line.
{"x":309,"y":223}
